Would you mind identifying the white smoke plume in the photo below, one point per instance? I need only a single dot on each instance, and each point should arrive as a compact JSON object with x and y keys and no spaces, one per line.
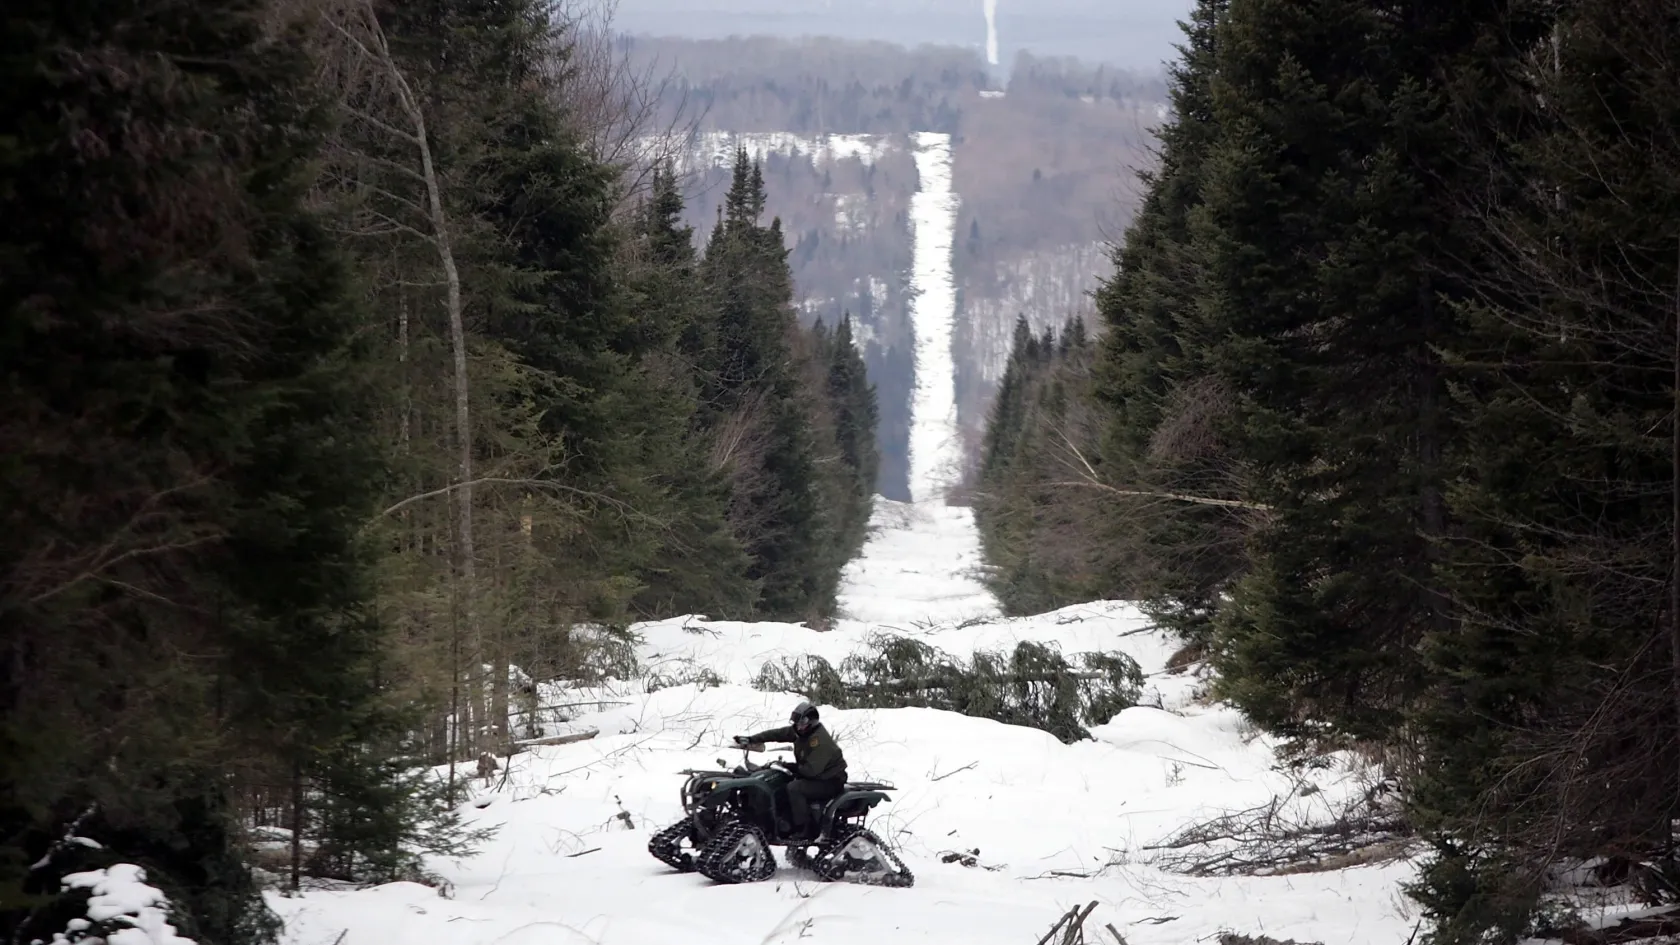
{"x":991,"y":31}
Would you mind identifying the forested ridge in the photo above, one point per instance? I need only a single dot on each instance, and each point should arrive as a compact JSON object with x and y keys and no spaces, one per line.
{"x":1032,"y":155}
{"x":353,"y":385}
{"x":1379,"y":413}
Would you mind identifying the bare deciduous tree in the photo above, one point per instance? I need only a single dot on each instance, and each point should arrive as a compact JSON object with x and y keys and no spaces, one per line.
{"x":632,"y":115}
{"x":402,"y":193}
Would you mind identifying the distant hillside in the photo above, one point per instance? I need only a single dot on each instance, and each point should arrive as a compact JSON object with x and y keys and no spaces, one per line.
{"x":1137,"y":33}
{"x":1044,"y":169}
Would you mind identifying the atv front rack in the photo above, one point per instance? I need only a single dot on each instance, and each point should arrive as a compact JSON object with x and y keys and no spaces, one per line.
{"x":688,"y":795}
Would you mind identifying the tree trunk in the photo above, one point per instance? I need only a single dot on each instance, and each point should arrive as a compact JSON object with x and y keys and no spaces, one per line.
{"x":1674,"y":533}
{"x":454,"y":744}
{"x":1432,"y":504}
{"x":438,"y":218}
{"x":466,"y":554}
{"x":297,"y":824}
{"x":406,"y":404}
{"x":500,"y":741}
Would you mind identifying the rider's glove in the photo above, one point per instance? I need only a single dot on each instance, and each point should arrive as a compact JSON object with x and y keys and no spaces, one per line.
{"x":742,"y":741}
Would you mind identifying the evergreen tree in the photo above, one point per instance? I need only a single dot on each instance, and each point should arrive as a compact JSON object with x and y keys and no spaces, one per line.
{"x":852,"y":397}
{"x":1550,"y":731}
{"x":697,"y":565}
{"x":1154,"y":376}
{"x":182,"y":582}
{"x":1045,"y":548}
{"x":752,"y":383}
{"x":1332,"y":260}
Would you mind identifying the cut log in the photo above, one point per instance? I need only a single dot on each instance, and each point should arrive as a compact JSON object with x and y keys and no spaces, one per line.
{"x":1625,"y":931}
{"x":567,"y":739}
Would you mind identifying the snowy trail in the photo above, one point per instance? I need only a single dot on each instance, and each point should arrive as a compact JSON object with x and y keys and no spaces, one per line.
{"x":566,"y":869}
{"x":919,"y":567}
{"x":935,"y":451}
{"x":1056,"y":825}
{"x":920,"y":564}
{"x":989,"y":7}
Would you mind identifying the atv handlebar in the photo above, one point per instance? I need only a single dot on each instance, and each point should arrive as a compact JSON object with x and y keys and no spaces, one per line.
{"x":751,"y":747}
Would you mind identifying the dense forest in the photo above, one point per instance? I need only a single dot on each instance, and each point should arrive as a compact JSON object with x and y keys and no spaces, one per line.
{"x":353,"y":384}
{"x":1381,"y":415}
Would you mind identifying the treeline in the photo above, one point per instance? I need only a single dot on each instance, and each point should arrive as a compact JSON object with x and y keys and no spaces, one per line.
{"x":816,"y":85}
{"x":1042,"y":552}
{"x":1072,"y":78}
{"x":1383,"y":418}
{"x":846,"y":228}
{"x":827,"y":85}
{"x":349,"y":385}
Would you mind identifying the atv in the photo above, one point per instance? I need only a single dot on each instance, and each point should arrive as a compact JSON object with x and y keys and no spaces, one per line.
{"x":734,"y":817}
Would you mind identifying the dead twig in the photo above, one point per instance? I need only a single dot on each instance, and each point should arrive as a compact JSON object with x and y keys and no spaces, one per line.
{"x":967,"y":767}
{"x":1268,"y":840}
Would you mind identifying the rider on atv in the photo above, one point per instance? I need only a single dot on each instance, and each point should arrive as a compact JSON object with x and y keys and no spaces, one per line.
{"x":819,"y":766}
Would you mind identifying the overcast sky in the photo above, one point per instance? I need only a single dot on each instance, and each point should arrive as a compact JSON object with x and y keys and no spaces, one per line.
{"x":1132,"y":33}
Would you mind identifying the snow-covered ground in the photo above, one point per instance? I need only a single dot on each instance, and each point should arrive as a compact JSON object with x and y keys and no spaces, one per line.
{"x":1055,"y":825}
{"x":895,"y":583}
{"x":990,"y":9}
{"x":569,"y":863}
{"x":935,"y":450}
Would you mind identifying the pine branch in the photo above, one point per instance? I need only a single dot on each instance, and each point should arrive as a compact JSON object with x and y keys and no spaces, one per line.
{"x":1090,"y":479}
{"x":529,"y":483}
{"x":1173,"y":496}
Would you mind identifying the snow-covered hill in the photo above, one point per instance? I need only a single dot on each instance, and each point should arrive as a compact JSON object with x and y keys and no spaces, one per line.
{"x":1056,"y":825}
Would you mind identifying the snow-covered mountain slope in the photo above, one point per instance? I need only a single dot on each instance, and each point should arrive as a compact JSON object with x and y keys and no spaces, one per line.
{"x":1056,"y":825}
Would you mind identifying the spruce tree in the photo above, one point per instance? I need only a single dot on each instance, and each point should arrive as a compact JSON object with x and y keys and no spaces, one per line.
{"x":1153,"y":374}
{"x":1045,"y":543}
{"x":852,"y":397}
{"x":1549,"y":733}
{"x":752,"y":379}
{"x":1332,"y":260}
{"x":182,"y":578}
{"x":697,"y":565}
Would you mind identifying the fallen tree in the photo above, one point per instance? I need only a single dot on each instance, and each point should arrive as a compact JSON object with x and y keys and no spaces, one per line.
{"x":1271,"y":839}
{"x":1034,"y":685}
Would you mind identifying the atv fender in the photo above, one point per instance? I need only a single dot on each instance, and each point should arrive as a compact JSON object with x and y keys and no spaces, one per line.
{"x":873,"y":797}
{"x":862,"y":800}
{"x":720,"y":789}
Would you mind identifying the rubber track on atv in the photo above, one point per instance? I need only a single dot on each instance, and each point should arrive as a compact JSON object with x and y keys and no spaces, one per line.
{"x":825,"y":867}
{"x":711,"y":861}
{"x":666,"y":846}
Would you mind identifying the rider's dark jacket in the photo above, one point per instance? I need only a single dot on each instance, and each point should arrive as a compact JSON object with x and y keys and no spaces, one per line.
{"x":815,"y":754}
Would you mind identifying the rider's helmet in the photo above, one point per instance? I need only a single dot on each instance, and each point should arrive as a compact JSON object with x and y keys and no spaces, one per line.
{"x":804,"y":716}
